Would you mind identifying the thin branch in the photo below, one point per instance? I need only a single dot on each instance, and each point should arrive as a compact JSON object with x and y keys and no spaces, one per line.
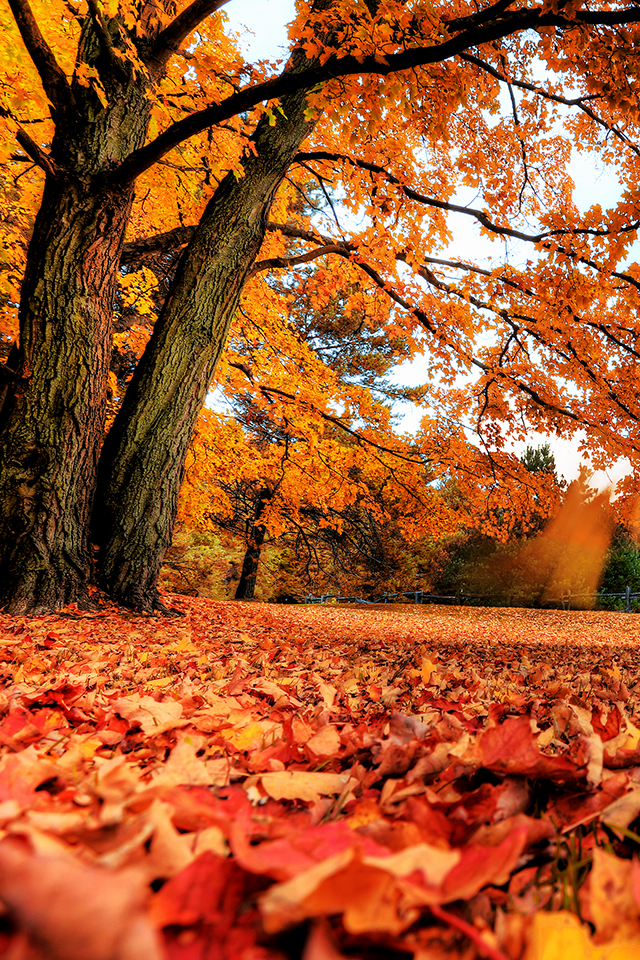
{"x":338,"y":422}
{"x":327,"y":197}
{"x":54,"y":80}
{"x":516,"y":123}
{"x":347,"y":250}
{"x":169,"y":40}
{"x":39,"y":157}
{"x":74,"y":13}
{"x":24,"y":172}
{"x":579,"y":102}
{"x":275,"y":263}
{"x":501,"y":374}
{"x":605,"y":329}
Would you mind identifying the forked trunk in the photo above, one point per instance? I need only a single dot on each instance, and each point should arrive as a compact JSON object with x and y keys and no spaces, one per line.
{"x":142,"y":461}
{"x":52,"y":421}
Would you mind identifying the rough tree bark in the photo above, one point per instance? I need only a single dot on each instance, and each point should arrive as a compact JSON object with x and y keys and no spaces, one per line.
{"x":142,"y":462}
{"x":52,"y":420}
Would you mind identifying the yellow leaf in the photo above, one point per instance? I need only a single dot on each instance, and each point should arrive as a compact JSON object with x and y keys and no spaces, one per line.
{"x":245,"y":738}
{"x":89,"y":747}
{"x":426,"y":669}
{"x":561,"y":935}
{"x":184,"y":643}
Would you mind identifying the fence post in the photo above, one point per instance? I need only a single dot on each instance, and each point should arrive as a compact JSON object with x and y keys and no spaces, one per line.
{"x":627,"y":600}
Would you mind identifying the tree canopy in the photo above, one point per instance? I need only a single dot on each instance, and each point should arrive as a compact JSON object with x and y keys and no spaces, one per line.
{"x":159,"y":178}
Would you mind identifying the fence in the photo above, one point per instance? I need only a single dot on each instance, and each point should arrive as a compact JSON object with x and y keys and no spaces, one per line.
{"x":463,"y":599}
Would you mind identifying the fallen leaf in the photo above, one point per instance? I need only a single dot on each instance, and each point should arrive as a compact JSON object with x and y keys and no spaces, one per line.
{"x":69,"y":910}
{"x":302,"y":785}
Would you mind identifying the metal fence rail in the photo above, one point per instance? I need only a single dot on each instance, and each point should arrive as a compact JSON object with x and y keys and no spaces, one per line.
{"x":421,"y":596}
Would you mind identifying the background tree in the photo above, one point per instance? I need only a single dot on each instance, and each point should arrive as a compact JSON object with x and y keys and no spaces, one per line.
{"x":540,"y":460}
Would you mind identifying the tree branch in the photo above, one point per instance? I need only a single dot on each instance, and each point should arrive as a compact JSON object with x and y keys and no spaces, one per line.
{"x":608,"y":18}
{"x":39,"y":157}
{"x":169,"y":40}
{"x":160,"y":243}
{"x":179,"y":236}
{"x":54,"y":80}
{"x":516,"y":383}
{"x":275,"y":263}
{"x":338,"y":422}
{"x":545,"y":239}
{"x":100,"y":26}
{"x":182,"y":235}
{"x":294,"y":81}
{"x":478,"y":215}
{"x":297,"y":233}
{"x":479,"y":18}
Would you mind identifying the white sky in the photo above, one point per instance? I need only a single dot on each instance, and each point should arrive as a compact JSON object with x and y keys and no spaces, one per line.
{"x":263,"y":23}
{"x":263,"y":27}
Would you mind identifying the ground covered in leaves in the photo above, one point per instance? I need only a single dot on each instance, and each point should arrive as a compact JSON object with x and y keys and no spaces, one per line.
{"x":253,"y":782}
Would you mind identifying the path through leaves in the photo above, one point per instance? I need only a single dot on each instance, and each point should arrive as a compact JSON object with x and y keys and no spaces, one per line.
{"x":253,"y":782}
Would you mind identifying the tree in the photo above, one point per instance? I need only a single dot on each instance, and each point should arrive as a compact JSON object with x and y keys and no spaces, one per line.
{"x":621,"y":570}
{"x":102,"y":96}
{"x":539,"y":460}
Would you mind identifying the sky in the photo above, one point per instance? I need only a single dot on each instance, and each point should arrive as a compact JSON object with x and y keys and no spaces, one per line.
{"x":262,"y":26}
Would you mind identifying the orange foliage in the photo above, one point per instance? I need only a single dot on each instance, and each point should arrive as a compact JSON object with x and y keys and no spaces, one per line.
{"x":562,"y":311}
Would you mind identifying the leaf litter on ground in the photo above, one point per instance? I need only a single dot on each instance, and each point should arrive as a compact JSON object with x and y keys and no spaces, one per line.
{"x":267,"y":782}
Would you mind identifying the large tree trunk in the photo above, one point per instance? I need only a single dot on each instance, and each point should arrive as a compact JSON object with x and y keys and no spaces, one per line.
{"x":54,"y":418}
{"x":247,"y":583}
{"x":142,"y":461}
{"x":52,"y":421}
